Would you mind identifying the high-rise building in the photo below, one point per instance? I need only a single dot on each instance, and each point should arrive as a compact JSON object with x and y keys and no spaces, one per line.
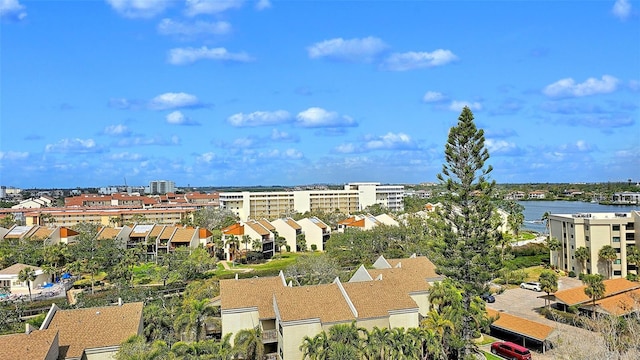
{"x":593,"y":231}
{"x":161,"y":187}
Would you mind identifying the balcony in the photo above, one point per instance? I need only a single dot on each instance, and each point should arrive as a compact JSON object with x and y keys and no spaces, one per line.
{"x":271,"y":356}
{"x":269,"y":336}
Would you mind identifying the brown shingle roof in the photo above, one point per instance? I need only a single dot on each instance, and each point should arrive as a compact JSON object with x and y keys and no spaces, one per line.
{"x":15,"y":269}
{"x":183,"y":235}
{"x":166,"y":233}
{"x":324,"y":302}
{"x":621,"y":304}
{"x":267,"y":225}
{"x":235,"y":229}
{"x":82,"y":329}
{"x":520,"y":325}
{"x":408,"y":275}
{"x":41,"y":233}
{"x":108,"y":233}
{"x":376,"y":298}
{"x":33,"y":346}
{"x":243,"y":293}
{"x":257,"y":227}
{"x":577,"y":296}
{"x":293,"y":224}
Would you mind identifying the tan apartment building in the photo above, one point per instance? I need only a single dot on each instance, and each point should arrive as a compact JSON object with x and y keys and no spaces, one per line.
{"x":48,"y":235}
{"x":593,"y":231}
{"x":394,"y":294}
{"x":110,"y":216}
{"x":277,"y":204}
{"x":289,"y":229}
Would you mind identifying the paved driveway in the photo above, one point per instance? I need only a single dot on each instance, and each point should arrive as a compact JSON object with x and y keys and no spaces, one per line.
{"x":524,"y":303}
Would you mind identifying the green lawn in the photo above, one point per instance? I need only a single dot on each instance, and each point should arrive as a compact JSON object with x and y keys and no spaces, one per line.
{"x":271,"y":267}
{"x":490,"y":356}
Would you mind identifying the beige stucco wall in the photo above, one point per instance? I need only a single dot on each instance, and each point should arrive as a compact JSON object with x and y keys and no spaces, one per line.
{"x":405,"y":320}
{"x":286,"y":232}
{"x":292,"y":337}
{"x":369,"y":324}
{"x":422,"y":300}
{"x":107,"y":355}
{"x":232,"y":323}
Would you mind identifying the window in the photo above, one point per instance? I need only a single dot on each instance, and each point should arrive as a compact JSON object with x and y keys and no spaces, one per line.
{"x":630,"y":226}
{"x":617,"y":272}
{"x":586,"y":238}
{"x":616,"y":227}
{"x":617,"y":262}
{"x":586,"y":227}
{"x":616,"y":239}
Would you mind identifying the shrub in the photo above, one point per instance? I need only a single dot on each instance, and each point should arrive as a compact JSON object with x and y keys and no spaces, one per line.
{"x":288,"y":247}
{"x":632,"y":277}
{"x":572,"y":274}
{"x":314,"y":247}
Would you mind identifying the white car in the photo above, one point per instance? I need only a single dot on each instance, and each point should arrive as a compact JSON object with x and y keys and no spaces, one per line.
{"x":531,"y":285}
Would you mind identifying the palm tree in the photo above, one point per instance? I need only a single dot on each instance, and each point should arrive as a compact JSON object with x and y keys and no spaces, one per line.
{"x":608,"y":254}
{"x":554,"y":245}
{"x":595,"y":288}
{"x":437,"y":325}
{"x":246,"y":240}
{"x":194,"y":318}
{"x":633,"y":256}
{"x":27,"y":275}
{"x":376,"y":344}
{"x":545,"y":219}
{"x":582,"y":254}
{"x":345,"y":333}
{"x":548,"y":283}
{"x":315,"y":348}
{"x":233,"y":244}
{"x":248,"y":343}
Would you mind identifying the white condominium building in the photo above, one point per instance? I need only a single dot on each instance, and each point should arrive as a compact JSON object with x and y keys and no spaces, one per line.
{"x":277,"y":204}
{"x":593,"y":231}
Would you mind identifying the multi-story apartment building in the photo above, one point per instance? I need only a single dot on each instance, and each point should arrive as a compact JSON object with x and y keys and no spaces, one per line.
{"x":593,"y":231}
{"x":392,"y":295}
{"x":276,"y":204}
{"x":161,"y":187}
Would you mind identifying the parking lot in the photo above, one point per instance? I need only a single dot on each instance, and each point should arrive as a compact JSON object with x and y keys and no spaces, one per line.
{"x":524,"y":303}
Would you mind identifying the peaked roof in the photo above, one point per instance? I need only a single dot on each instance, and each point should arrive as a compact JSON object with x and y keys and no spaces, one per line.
{"x":108,"y":233}
{"x":386,"y":298}
{"x":293,"y":223}
{"x":235,"y":229}
{"x":16,"y":268}
{"x":33,"y":346}
{"x":257,"y":227}
{"x":245,"y":293}
{"x":106,"y":326}
{"x":183,"y":235}
{"x":324,"y":302}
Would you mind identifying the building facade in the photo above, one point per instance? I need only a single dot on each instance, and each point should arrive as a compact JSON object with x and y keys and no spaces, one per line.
{"x":593,"y":231}
{"x":161,"y":187}
{"x":277,"y":204}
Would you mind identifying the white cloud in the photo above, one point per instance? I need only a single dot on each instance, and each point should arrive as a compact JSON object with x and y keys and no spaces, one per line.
{"x":282,"y":136}
{"x":182,"y":56}
{"x":171,"y":27}
{"x":244,"y":142}
{"x":356,"y":50}
{"x":621,"y":9}
{"x":345,"y":148}
{"x":207,"y":157}
{"x":417,"y":60}
{"x":433,"y":96}
{"x":138,"y":8}
{"x":116,"y":130}
{"x":178,"y":118}
{"x":316,"y":117}
{"x":390,"y":141}
{"x":13,"y":155}
{"x":73,"y":146}
{"x":263,"y":4}
{"x":126,"y":156}
{"x":195,"y":7}
{"x":457,"y":105}
{"x":291,"y":154}
{"x":568,"y":88}
{"x":12,"y":10}
{"x":259,"y":118}
{"x":170,"y":100}
{"x":499,"y":146}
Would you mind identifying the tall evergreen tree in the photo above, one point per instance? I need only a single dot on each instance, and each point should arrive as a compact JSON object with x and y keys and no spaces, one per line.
{"x":467,"y":253}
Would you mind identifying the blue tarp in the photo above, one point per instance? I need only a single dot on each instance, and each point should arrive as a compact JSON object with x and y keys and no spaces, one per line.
{"x":66,"y":276}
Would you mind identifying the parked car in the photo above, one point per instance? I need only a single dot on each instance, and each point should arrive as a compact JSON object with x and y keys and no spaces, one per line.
{"x":531,"y":285}
{"x":488,"y":298}
{"x":510,"y":350}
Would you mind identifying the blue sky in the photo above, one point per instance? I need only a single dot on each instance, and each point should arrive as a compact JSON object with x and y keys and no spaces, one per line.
{"x":215,"y":93}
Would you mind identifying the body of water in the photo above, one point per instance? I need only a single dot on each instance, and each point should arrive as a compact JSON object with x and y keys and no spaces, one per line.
{"x":533,"y":210}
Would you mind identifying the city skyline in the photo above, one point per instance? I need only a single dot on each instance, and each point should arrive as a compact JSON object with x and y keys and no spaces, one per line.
{"x":242,"y":93}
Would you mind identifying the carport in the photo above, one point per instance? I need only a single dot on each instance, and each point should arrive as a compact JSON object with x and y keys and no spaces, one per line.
{"x":521,"y":328}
